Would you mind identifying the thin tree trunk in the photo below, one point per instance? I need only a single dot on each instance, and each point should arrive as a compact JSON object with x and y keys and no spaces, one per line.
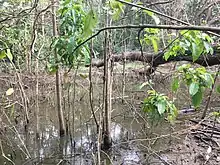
{"x":107,"y":141}
{"x":37,"y":95}
{"x":123,"y":74}
{"x":91,"y":87}
{"x":58,"y":86}
{"x":37,"y":81}
{"x":99,"y":140}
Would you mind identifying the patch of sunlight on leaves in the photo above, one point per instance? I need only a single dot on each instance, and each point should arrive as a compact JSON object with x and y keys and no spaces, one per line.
{"x":2,"y":55}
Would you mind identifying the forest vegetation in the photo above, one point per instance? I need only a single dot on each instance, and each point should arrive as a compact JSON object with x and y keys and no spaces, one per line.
{"x":109,"y":82}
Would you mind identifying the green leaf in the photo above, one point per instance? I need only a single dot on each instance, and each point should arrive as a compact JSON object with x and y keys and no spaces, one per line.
{"x":151,"y":30}
{"x":194,"y":52}
{"x":209,"y":80}
{"x":216,"y":114}
{"x":193,"y":88}
{"x":9,"y":55}
{"x":9,"y":91}
{"x":197,"y":98}
{"x":175,"y":84}
{"x":218,"y":88}
{"x":183,"y":32}
{"x":116,"y":15}
{"x":207,"y":37}
{"x":151,"y":92}
{"x":2,"y":55}
{"x":161,"y":107}
{"x":117,"y":8}
{"x":52,"y":69}
{"x":154,"y":43}
{"x":89,"y":24}
{"x":149,"y":12}
{"x":66,"y":2}
{"x":166,"y":55}
{"x":211,"y":51}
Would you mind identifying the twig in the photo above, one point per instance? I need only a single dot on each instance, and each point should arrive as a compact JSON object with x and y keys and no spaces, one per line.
{"x":161,"y":14}
{"x":91,"y":87}
{"x":210,"y":94}
{"x":19,"y":137}
{"x":19,"y":14}
{"x":3,"y":154}
{"x":204,"y":124}
{"x":157,"y":155}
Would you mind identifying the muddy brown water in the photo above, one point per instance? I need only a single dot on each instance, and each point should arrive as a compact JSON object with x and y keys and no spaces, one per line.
{"x":135,"y":141}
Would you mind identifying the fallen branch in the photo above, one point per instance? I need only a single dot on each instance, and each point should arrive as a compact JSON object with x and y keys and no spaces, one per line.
{"x":156,"y":60}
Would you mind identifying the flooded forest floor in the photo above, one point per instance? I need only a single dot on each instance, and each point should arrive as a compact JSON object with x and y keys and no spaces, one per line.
{"x":136,"y":141}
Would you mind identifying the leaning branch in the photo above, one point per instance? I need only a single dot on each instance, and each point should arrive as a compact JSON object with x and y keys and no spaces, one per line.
{"x":200,"y":28}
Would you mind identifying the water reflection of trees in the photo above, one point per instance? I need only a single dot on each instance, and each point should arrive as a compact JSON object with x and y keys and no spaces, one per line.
{"x":81,"y":149}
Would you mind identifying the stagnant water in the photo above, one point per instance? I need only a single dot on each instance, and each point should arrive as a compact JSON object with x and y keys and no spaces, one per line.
{"x":134,"y":140}
{"x":81,"y":149}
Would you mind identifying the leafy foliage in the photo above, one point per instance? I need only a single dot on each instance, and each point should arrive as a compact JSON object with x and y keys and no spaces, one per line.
{"x":157,"y":106}
{"x":190,"y":42}
{"x":196,"y":79}
{"x":76,"y":26}
{"x":6,"y":54}
{"x":151,"y":37}
{"x":89,"y":24}
{"x":116,"y":9}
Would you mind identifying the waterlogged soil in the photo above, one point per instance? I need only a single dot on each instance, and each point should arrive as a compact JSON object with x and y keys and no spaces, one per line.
{"x":136,"y":141}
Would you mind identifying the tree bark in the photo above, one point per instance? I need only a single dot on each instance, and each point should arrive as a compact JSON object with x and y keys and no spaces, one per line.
{"x":107,"y":88}
{"x":58,"y":87}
